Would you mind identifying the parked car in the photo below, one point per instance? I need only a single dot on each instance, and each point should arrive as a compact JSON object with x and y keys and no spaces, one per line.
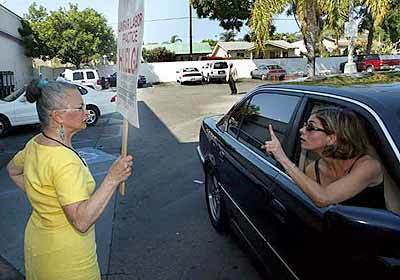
{"x":112,"y":80}
{"x":15,"y":110}
{"x":215,"y":71}
{"x":248,"y":192}
{"x":371,"y":63}
{"x":85,"y":77}
{"x":268,"y":71}
{"x":189,"y":75}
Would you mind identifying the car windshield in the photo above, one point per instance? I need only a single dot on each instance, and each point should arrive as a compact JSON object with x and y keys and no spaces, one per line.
{"x":220,"y":65}
{"x":13,"y":96}
{"x":190,"y":70}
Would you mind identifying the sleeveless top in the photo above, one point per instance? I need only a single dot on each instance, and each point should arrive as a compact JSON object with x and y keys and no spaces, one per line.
{"x":370,"y":197}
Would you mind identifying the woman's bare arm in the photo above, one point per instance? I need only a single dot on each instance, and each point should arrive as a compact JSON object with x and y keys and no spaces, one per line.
{"x":83,"y":214}
{"x":16,"y":174}
{"x":364,"y":173}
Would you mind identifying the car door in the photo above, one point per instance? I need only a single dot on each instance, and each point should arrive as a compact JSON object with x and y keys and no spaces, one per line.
{"x":247,"y":173}
{"x":344,"y":240}
{"x":24,"y":111}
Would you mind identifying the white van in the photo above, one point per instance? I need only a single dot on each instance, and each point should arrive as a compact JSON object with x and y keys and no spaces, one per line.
{"x":86,"y":77}
{"x":215,"y":71}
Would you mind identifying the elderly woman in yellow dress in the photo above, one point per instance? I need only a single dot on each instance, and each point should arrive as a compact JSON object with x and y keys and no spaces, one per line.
{"x":60,"y":234}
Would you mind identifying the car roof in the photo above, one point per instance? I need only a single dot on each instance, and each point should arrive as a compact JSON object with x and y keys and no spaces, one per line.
{"x":384,"y":99}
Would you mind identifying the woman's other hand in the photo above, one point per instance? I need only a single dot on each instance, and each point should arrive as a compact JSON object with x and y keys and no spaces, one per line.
{"x":121,"y":169}
{"x":274,"y":146}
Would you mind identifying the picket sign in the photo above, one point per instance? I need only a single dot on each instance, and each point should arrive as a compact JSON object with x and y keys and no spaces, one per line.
{"x":129,"y":44}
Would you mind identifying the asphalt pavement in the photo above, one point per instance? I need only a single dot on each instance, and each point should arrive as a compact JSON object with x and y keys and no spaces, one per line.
{"x":160,"y":228}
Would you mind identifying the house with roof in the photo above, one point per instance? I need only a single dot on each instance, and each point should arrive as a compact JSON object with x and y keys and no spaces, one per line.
{"x":15,"y":68}
{"x":329,"y":44}
{"x":182,"y":50}
{"x":243,"y":49}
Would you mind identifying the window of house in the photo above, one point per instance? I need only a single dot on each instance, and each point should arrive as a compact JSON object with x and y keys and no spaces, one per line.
{"x":272,"y":54}
{"x":77,"y":76}
{"x":90,"y":75}
{"x":240,"y":54}
{"x":285,"y":54}
{"x":264,"y":109}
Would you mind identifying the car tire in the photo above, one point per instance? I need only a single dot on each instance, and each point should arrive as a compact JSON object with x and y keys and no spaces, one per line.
{"x":215,"y":203}
{"x":370,"y":69}
{"x":93,"y":115}
{"x":4,"y":126}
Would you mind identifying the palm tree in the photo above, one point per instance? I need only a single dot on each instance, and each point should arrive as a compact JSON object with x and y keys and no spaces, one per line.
{"x":311,"y":15}
{"x":227,"y":36}
{"x":175,"y":39}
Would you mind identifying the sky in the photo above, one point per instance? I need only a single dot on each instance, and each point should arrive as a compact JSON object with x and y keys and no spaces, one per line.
{"x":163,"y":18}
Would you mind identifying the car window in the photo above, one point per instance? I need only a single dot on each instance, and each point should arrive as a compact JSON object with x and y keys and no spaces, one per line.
{"x":235,"y":119}
{"x":82,"y":90}
{"x":13,"y":96}
{"x":220,"y":65}
{"x":262,"y":110}
{"x":90,"y":75}
{"x":77,"y":76}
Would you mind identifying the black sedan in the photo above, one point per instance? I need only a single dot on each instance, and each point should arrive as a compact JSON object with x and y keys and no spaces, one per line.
{"x":249,"y":193}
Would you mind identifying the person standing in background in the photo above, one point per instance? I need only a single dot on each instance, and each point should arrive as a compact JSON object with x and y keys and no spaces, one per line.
{"x":231,"y":78}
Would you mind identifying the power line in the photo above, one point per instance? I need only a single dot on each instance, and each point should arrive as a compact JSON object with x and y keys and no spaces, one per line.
{"x":185,"y":18}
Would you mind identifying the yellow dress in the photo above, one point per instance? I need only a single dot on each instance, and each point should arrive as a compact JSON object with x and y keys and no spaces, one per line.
{"x":53,"y":248}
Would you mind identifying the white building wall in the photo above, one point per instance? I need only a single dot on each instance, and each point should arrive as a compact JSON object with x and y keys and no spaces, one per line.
{"x":166,"y":71}
{"x":162,"y":72}
{"x":12,"y":57}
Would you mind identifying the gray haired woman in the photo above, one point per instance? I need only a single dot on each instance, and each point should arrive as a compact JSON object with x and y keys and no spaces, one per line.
{"x":60,"y":235}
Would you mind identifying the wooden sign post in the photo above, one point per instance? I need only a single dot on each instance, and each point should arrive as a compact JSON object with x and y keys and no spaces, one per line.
{"x":129,"y":45}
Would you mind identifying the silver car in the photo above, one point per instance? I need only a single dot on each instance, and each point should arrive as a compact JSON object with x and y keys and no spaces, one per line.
{"x":270,"y":71}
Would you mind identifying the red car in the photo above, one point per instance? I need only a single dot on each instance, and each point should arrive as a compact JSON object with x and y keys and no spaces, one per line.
{"x":373,"y":62}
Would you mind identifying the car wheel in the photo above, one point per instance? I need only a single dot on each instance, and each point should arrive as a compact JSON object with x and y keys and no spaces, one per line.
{"x":93,"y":115}
{"x":370,"y":69}
{"x":215,"y":204}
{"x":4,"y":126}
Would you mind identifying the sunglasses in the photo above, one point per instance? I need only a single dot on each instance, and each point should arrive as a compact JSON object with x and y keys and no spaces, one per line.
{"x":310,"y":127}
{"x":82,"y":108}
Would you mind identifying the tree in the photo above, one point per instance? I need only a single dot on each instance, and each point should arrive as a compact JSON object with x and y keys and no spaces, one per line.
{"x":391,"y":24}
{"x":159,"y":54}
{"x":227,"y":36}
{"x":211,"y":42}
{"x":231,"y":14}
{"x":69,"y":34}
{"x":311,"y":16}
{"x":175,"y":39}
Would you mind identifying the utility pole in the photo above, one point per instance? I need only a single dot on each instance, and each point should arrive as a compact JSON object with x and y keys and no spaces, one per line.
{"x":351,"y":32}
{"x":190,"y":32}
